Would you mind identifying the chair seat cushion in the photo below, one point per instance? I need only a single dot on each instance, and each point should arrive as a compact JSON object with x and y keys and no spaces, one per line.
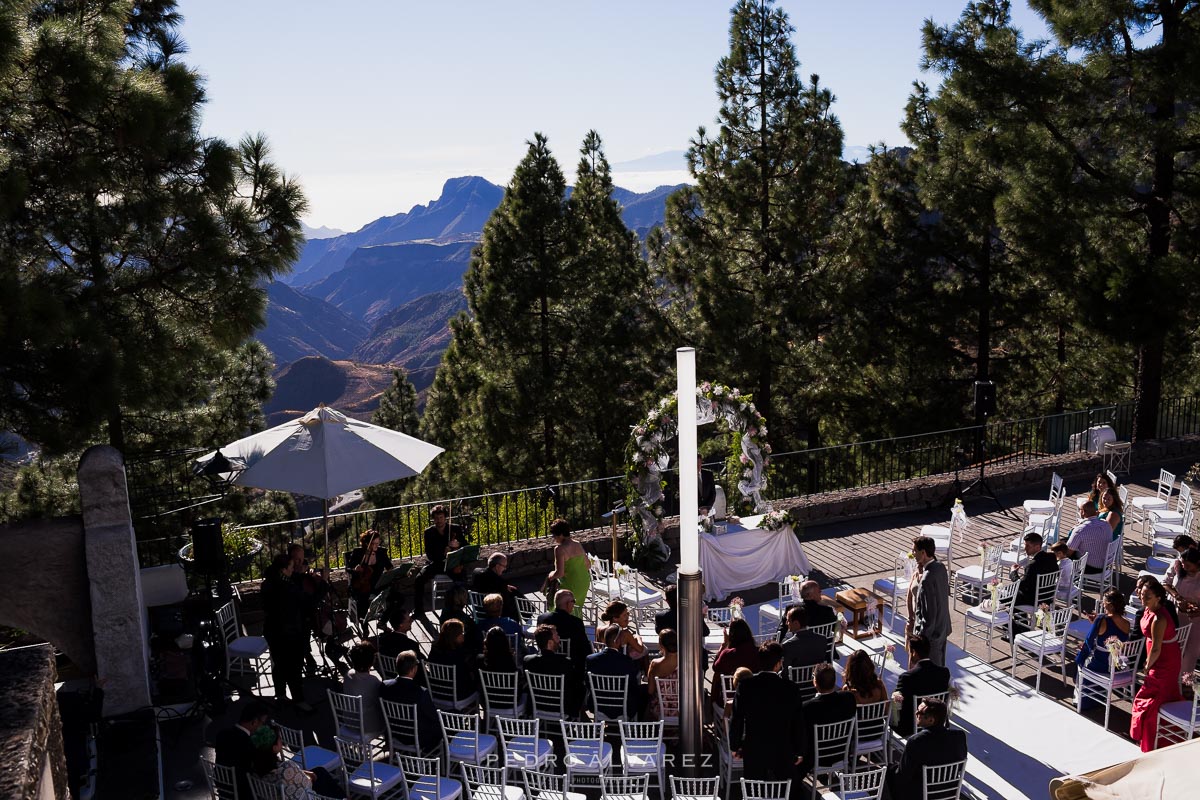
{"x":1079,"y":629}
{"x":1149,"y":503}
{"x":247,"y":647}
{"x":559,"y":796}
{"x":463,"y":747}
{"x":769,"y":609}
{"x":1038,"y":641}
{"x":386,"y":777}
{"x":998,"y":618}
{"x":974,"y":574}
{"x":447,"y":789}
{"x":586,"y":757}
{"x":1119,"y":679}
{"x":529,"y":754}
{"x":644,"y":760}
{"x":315,"y":756}
{"x":887,"y":585}
{"x":1178,"y":712}
{"x":445,"y":704}
{"x":1036,"y":506}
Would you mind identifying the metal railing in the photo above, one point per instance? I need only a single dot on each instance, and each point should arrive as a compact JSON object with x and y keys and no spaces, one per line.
{"x":503,"y":517}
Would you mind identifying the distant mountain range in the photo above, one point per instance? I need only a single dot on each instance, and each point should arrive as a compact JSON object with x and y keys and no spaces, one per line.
{"x":384,"y":295}
{"x":320,"y":233}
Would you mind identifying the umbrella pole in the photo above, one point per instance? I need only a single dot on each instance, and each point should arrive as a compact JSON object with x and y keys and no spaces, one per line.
{"x":325,"y":525}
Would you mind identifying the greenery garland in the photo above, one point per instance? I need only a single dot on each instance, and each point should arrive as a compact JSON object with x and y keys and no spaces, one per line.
{"x":647,"y":455}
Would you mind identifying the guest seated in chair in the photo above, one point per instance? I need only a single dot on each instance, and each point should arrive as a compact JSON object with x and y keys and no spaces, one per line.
{"x":493,"y":605}
{"x":490,"y":580}
{"x":366,"y":684}
{"x":1040,"y":563}
{"x":802,"y":647}
{"x":548,"y":661}
{"x":234,"y":747}
{"x":828,"y":706}
{"x":933,"y":745}
{"x":450,"y":648}
{"x":923,"y":677}
{"x":295,"y":783}
{"x":570,"y":628}
{"x":611,"y":661}
{"x":862,"y":682}
{"x":739,"y":650}
{"x":406,"y":689}
{"x":440,"y":538}
{"x":1090,"y":537}
{"x":1093,"y":654}
{"x":456,"y":609}
{"x":394,"y":639}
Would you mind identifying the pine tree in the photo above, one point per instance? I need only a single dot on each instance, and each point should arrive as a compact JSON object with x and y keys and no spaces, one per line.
{"x":746,"y":243}
{"x":1114,"y":97}
{"x":132,"y":248}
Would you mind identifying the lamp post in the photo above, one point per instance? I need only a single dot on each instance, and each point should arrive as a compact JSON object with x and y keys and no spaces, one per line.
{"x":689,"y":592}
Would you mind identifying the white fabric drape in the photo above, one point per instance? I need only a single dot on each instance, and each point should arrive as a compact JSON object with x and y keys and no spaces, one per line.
{"x":745,"y":559}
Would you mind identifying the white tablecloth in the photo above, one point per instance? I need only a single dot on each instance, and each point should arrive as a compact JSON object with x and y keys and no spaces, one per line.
{"x":748,"y":558}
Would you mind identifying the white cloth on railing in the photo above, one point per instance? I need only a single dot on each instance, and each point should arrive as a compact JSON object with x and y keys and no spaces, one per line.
{"x":746,"y":558}
{"x":1093,"y":439}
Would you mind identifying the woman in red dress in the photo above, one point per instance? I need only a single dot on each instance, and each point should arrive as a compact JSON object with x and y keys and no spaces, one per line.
{"x":1161,"y":684}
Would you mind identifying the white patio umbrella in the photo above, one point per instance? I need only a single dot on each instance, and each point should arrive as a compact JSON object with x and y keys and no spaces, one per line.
{"x":324,"y":454}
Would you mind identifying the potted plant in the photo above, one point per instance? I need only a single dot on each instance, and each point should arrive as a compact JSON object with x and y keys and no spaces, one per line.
{"x":240,"y":549}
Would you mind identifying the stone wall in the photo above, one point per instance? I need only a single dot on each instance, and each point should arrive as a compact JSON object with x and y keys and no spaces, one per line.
{"x":33,"y":765}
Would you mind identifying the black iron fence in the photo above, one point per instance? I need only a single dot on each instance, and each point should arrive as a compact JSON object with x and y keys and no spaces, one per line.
{"x":503,"y":517}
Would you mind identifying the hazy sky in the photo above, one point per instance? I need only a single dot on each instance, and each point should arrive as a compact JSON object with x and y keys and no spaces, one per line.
{"x":374,"y":104}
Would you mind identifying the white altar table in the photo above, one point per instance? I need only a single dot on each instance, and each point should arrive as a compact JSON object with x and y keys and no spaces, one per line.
{"x":746,"y":557}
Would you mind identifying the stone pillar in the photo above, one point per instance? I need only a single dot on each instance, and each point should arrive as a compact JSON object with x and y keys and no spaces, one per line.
{"x":118,"y":614}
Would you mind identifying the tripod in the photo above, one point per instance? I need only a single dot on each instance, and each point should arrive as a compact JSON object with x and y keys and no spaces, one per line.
{"x":980,"y":485}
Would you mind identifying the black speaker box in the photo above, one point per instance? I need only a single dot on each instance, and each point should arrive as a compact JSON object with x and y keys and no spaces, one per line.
{"x":208,"y":550}
{"x":985,"y":398}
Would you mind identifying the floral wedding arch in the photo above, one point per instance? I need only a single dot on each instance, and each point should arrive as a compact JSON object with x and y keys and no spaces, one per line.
{"x":647,"y":455}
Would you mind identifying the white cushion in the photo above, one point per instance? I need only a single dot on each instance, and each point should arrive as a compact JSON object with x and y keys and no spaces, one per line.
{"x":1035,"y":641}
{"x":974,"y":574}
{"x":1149,"y":503}
{"x":1033,"y":506}
{"x":999,"y":618}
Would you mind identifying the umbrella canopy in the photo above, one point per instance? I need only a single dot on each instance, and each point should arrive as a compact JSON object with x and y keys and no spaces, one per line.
{"x":324,"y":454}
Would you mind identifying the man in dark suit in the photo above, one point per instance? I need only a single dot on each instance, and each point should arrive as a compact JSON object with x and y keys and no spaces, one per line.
{"x":570,"y":628}
{"x":827,"y":707}
{"x":923,"y":677}
{"x":767,"y":725}
{"x":802,"y":647}
{"x":706,"y":485}
{"x":548,"y":661}
{"x":490,"y":580}
{"x":611,"y":661}
{"x":233,"y":746}
{"x":440,"y":538}
{"x":405,"y":689}
{"x":819,"y":609}
{"x":670,"y":619}
{"x":1041,"y":562}
{"x":929,"y":599}
{"x":933,"y":745}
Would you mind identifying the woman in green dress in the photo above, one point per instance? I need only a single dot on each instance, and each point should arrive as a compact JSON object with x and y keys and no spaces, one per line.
{"x":570,"y":564}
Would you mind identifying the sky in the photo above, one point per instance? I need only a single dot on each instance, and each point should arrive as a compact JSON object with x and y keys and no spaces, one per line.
{"x":372,"y":105}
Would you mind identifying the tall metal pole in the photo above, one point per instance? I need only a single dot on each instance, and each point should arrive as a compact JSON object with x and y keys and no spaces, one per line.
{"x":691,"y":679}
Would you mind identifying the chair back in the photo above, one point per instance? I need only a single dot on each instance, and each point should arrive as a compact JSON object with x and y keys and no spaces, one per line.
{"x":584,"y":741}
{"x":1123,"y":659}
{"x":544,"y":785}
{"x":263,"y":789}
{"x":500,"y":692}
{"x":695,"y":788}
{"x":463,"y":731}
{"x":485,"y":783}
{"x":871,"y":725}
{"x":829,"y":631}
{"x":1060,"y":618}
{"x":354,"y":755}
{"x":548,"y":694}
{"x":222,"y":780}
{"x":642,"y":739}
{"x":1056,"y":486}
{"x":765,"y":790}
{"x":403,"y":732}
{"x":943,"y":782}
{"x":609,"y":696}
{"x":422,"y":776}
{"x":668,"y":699}
{"x":347,"y":713}
{"x":721,"y":615}
{"x":1123,"y":493}
{"x":624,"y":787}
{"x":519,"y":738}
{"x":865,"y":784}
{"x":1166,"y":484}
{"x":1044,"y":588}
{"x":475,"y":604}
{"x":918,"y":699}
{"x":564,"y":648}
{"x":386,"y":666}
{"x":1183,"y":500}
{"x":803,"y":678}
{"x":228,"y":621}
{"x":442,"y":680}
{"x":831,"y":744}
{"x":529,"y":610}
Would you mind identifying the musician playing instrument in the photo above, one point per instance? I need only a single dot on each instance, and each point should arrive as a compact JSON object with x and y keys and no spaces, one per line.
{"x":366,"y":565}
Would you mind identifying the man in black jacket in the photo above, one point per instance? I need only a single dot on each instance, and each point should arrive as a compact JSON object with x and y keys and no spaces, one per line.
{"x":767,"y":725}
{"x":405,"y":689}
{"x":233,"y":746}
{"x":922,"y":678}
{"x":1041,"y":562}
{"x":827,"y":707}
{"x":670,"y":619}
{"x":611,"y":661}
{"x":440,"y":538}
{"x":802,"y":647}
{"x":570,"y":628}
{"x":933,"y":745}
{"x":490,"y":580}
{"x":548,"y":661}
